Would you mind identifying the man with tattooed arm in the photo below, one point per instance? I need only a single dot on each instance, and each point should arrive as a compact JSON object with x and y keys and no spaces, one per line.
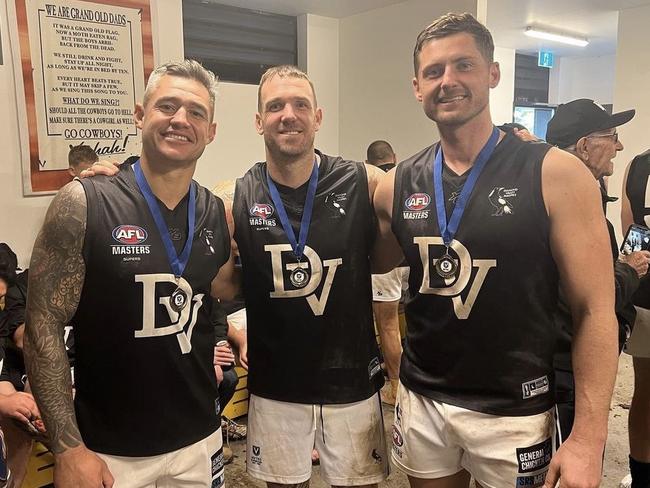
{"x":146,"y":406}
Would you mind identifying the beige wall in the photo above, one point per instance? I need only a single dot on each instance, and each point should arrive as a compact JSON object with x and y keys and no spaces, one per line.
{"x":502,"y":97}
{"x":630,"y":91}
{"x":376,"y":70}
{"x":237,"y":145}
{"x":320,"y":59}
{"x":588,"y":77}
{"x":165,"y":15}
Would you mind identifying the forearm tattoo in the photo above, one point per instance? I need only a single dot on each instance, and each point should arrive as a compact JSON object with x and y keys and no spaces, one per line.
{"x":56,"y":278}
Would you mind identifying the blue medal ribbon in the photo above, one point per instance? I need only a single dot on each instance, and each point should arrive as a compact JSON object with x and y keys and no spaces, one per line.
{"x":448,"y":228}
{"x":176,"y":262}
{"x":297,"y":246}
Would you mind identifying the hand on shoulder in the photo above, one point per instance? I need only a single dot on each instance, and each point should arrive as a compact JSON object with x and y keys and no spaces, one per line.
{"x":102,"y":167}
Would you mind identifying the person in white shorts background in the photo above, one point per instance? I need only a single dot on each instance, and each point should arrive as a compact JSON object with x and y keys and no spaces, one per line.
{"x":634,"y":209}
{"x":387,"y":290}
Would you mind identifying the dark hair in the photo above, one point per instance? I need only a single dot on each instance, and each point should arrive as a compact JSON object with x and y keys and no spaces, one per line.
{"x":450,"y":24}
{"x":379,"y":151}
{"x":8,"y":263}
{"x":81,"y":154}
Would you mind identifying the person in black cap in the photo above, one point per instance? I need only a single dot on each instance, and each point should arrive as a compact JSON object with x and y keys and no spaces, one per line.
{"x":586,"y":130}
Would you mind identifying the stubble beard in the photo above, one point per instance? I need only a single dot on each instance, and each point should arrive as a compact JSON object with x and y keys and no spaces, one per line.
{"x":286,"y":152}
{"x":457,"y":119}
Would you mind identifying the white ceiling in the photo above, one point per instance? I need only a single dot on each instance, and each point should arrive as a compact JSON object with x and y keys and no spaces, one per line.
{"x":595,"y":20}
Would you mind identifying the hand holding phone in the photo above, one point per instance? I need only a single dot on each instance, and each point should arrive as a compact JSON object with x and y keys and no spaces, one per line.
{"x":637,"y":238}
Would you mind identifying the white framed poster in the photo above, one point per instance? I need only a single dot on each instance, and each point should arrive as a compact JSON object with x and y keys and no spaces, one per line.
{"x":80,"y":67}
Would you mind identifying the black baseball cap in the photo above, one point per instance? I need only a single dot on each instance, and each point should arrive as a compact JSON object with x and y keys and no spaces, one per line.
{"x":580,"y":118}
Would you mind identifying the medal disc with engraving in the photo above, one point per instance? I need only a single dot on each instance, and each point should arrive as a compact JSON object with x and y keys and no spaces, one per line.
{"x":446,"y":267}
{"x":299,"y":277}
{"x":178,"y":300}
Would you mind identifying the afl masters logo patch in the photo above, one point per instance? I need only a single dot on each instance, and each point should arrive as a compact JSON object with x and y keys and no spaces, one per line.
{"x":130,"y":239}
{"x":260,"y":216}
{"x":415,"y":206}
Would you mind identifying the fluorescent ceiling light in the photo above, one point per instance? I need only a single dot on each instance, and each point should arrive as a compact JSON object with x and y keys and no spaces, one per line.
{"x":549,"y":36}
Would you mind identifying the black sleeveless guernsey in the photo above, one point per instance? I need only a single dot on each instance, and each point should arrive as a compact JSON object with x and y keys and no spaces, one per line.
{"x":638,"y":193}
{"x":316,"y":344}
{"x":145,"y":383}
{"x":484,"y":340}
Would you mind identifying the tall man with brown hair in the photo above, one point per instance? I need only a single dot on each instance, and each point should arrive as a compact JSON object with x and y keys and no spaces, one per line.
{"x":489,"y":224}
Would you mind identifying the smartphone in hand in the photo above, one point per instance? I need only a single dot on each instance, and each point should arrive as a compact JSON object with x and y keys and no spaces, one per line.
{"x":637,"y":238}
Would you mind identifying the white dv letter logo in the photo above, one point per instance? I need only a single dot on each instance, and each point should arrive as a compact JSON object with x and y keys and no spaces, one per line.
{"x":178,"y":320}
{"x":461,"y":309}
{"x":317,"y":304}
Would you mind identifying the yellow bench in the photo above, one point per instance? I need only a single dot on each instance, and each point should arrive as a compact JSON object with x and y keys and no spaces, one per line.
{"x":238,"y":406}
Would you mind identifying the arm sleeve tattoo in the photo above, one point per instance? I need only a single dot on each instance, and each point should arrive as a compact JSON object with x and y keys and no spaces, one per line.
{"x":56,"y":278}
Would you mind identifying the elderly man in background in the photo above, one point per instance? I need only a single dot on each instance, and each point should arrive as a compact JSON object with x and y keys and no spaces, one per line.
{"x":586,"y":130}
